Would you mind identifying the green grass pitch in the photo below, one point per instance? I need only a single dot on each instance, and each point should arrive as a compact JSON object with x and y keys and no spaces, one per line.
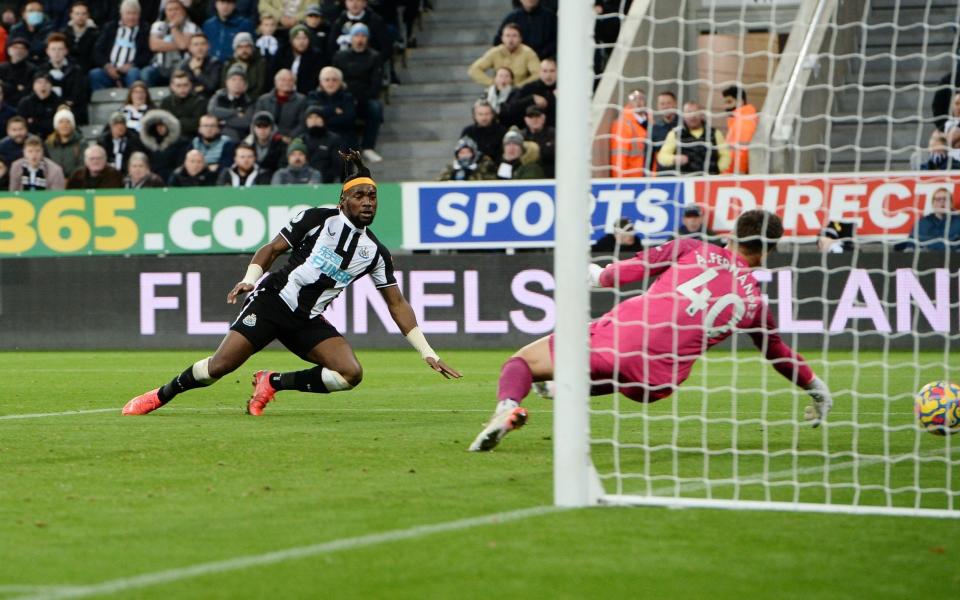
{"x":95,"y":497}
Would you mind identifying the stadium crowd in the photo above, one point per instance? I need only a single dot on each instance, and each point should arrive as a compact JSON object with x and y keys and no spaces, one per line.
{"x":208,"y":85}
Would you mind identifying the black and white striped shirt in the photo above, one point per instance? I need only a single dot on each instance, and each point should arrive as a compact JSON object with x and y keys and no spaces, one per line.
{"x":124,"y":45}
{"x":328,"y":254}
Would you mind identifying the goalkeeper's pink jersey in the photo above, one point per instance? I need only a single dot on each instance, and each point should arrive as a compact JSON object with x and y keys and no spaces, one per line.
{"x":700,"y":295}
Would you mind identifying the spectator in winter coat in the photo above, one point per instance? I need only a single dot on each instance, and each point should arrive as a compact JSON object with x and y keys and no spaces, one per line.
{"x":6,"y":111}
{"x":193,"y":172}
{"x":160,"y":134}
{"x":217,"y":149}
{"x":538,"y":26}
{"x":203,"y":69}
{"x":544,"y":137}
{"x":34,"y":27}
{"x":68,"y":79}
{"x":96,"y":174}
{"x":39,"y":107}
{"x":941,"y":158}
{"x":232,"y":106}
{"x":11,"y":147}
{"x":363,"y":75}
{"x":297,"y":170}
{"x":267,"y":143}
{"x":244,"y":172}
{"x":139,"y":175}
{"x":485,"y":131}
{"x":513,"y":54}
{"x":33,"y":171}
{"x":222,"y":27}
{"x":303,"y":60}
{"x":81,"y":34}
{"x":623,"y":239}
{"x":122,"y":50}
{"x":500,"y":94}
{"x":667,"y":111}
{"x":468,"y":163}
{"x":541,"y":92}
{"x":169,"y":39}
{"x":184,"y":104}
{"x":357,"y":12}
{"x":318,"y":29}
{"x":694,"y":148}
{"x":287,"y":14}
{"x":322,"y":145}
{"x":284,"y":104}
{"x":65,"y":145}
{"x":245,"y":55}
{"x":16,"y":75}
{"x":939,"y":230}
{"x":336,"y":105}
{"x":119,"y":142}
{"x":519,"y":159}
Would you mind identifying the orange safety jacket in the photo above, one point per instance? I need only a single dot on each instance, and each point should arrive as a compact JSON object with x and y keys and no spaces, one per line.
{"x":628,"y":138}
{"x":741,"y":126}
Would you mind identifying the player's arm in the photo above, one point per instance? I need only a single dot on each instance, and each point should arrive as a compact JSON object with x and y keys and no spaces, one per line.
{"x":403,"y":316}
{"x":648,"y":263}
{"x":791,"y":365}
{"x":262,"y":261}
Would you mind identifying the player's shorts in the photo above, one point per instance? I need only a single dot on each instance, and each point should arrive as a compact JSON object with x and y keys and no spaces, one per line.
{"x":265,"y":317}
{"x":607,"y":380}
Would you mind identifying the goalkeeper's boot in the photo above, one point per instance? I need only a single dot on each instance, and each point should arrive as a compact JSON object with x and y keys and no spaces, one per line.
{"x":509,"y":416}
{"x":143,"y":404}
{"x":263,"y":393}
{"x":545,"y":389}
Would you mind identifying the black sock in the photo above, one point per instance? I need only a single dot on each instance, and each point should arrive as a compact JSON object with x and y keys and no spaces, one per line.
{"x":181,"y":383}
{"x":308,"y":380}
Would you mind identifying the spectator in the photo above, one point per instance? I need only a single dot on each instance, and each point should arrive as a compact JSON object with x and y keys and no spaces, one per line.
{"x":741,"y":126}
{"x":122,"y":50}
{"x":667,"y":109}
{"x":951,"y":126}
{"x":193,"y":172}
{"x":363,"y":75}
{"x":284,"y":104}
{"x":537,"y":25}
{"x":232,"y":106}
{"x":297,"y":170}
{"x":835,"y":238}
{"x":96,"y":174}
{"x":341,"y":32}
{"x":500,"y":94}
{"x":693,"y":225}
{"x":266,"y":141}
{"x":169,"y":39}
{"x":256,"y":67}
{"x":336,"y":105}
{"x":513,"y":54}
{"x":694,"y":148}
{"x":39,"y":107}
{"x":4,"y":176}
{"x":267,"y":43}
{"x":184,"y":104}
{"x":16,"y":74}
{"x":943,"y":97}
{"x":303,"y":60}
{"x":160,"y":134}
{"x":623,"y":239}
{"x":139,"y":175}
{"x":65,"y":145}
{"x":119,"y":142}
{"x":137,"y":104}
{"x":544,"y":137}
{"x":541,"y":92}
{"x":217,"y":149}
{"x":469,"y":164}
{"x":245,"y":172}
{"x":322,"y":145}
{"x":204,"y":70}
{"x":287,"y":14}
{"x":81,"y":34}
{"x":221,"y":28}
{"x":485,"y":131}
{"x":11,"y":147}
{"x":33,"y":171}
{"x":68,"y":79}
{"x":939,"y":230}
{"x":6,"y":111}
{"x":519,"y":160}
{"x":607,"y":29}
{"x":34,"y":27}
{"x":317,"y":27}
{"x":628,"y":137}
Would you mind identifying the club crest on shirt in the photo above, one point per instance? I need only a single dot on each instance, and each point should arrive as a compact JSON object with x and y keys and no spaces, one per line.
{"x":364,"y":252}
{"x":250,"y":320}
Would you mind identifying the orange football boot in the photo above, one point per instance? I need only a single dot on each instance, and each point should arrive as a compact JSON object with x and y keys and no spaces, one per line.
{"x":263,"y":393}
{"x":143,"y":404}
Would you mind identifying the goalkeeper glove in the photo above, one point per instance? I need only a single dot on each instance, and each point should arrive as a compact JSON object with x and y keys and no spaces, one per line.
{"x":817,"y":412}
{"x":595,"y":271}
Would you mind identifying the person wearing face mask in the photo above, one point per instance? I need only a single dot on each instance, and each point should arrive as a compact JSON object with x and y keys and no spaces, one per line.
{"x":323,"y":146}
{"x":628,"y":138}
{"x":16,"y":74}
{"x":34,"y":27}
{"x":741,"y":126}
{"x":468,"y":163}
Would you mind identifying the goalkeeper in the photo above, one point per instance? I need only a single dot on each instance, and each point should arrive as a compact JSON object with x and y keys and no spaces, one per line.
{"x":647,"y":345}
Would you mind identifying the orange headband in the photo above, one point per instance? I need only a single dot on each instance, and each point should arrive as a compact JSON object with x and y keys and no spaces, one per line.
{"x":359,"y":181}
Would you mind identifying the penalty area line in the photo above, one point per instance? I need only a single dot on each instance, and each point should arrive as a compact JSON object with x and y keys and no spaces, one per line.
{"x":66,"y":413}
{"x":259,"y":560}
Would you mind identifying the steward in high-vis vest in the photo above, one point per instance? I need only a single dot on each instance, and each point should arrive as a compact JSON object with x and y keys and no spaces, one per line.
{"x":694,"y":148}
{"x":741,"y":126}
{"x":628,"y":138}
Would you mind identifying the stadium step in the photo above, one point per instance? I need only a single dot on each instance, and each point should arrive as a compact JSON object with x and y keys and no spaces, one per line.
{"x":464,"y":54}
{"x":433,"y":72}
{"x":410,"y":169}
{"x":407,"y":129}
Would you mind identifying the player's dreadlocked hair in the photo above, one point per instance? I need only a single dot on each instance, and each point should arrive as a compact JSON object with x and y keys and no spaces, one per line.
{"x":759,"y":231}
{"x":353,"y":167}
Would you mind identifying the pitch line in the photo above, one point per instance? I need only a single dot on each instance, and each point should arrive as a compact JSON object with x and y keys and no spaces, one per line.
{"x":66,"y":413}
{"x":259,"y":560}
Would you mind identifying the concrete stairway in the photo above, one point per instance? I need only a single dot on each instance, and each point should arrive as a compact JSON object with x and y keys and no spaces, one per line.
{"x":881,"y":114}
{"x":427,"y":113}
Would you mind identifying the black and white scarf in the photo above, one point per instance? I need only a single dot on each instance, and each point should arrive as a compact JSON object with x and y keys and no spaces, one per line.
{"x":33,"y":179}
{"x":238,"y":180}
{"x":124,"y":45}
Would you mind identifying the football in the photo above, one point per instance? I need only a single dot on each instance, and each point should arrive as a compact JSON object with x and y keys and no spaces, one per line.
{"x":937,"y":407}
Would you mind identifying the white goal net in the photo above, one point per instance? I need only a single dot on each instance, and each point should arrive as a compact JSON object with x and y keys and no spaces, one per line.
{"x":844,"y":101}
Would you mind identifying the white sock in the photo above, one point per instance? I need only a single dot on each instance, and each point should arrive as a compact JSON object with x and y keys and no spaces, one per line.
{"x":334,"y":381}
{"x":507,"y":404}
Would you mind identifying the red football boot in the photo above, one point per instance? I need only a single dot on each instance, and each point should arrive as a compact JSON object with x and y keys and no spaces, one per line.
{"x":143,"y":404}
{"x":263,"y":393}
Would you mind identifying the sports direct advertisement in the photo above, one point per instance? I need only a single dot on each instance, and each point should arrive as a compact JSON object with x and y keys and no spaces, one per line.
{"x":521,"y":214}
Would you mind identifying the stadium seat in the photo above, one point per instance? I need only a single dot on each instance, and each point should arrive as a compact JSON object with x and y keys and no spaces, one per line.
{"x":159,"y":93}
{"x":108,"y":95}
{"x":91,"y":132}
{"x":100,"y":113}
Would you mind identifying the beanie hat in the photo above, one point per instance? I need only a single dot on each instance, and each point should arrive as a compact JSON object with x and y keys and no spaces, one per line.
{"x":359,"y":29}
{"x":64,"y":113}
{"x":295,"y":145}
{"x":237,"y":69}
{"x":298,"y":28}
{"x":513,"y":137}
{"x":242,"y":38}
{"x":465,"y":142}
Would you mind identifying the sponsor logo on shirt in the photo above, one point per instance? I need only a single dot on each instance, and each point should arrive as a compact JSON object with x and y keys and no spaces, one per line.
{"x":326,"y":261}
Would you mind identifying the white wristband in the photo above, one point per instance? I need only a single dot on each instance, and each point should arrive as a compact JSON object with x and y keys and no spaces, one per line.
{"x":420,"y":344}
{"x":254,"y":272}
